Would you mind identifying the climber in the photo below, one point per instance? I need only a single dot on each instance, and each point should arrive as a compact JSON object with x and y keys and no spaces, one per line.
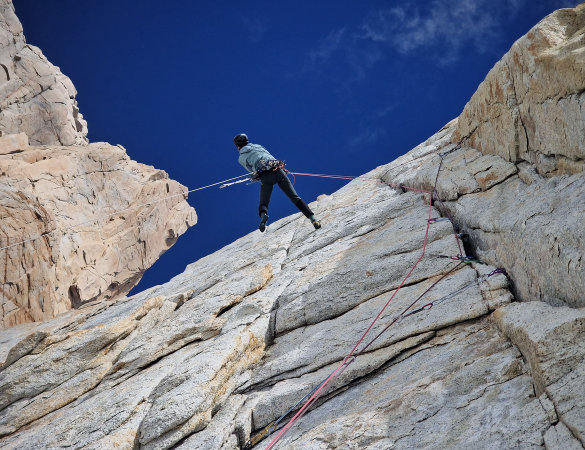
{"x":265,"y":167}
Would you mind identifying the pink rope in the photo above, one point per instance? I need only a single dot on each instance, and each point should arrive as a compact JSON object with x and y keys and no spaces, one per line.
{"x":351,"y":178}
{"x":346,"y":362}
{"x":334,"y":374}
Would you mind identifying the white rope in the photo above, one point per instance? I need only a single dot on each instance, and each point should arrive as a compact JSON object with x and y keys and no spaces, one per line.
{"x":236,"y":182}
{"x":119,"y":212}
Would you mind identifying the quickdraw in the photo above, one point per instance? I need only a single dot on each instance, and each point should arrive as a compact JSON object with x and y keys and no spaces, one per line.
{"x":257,"y":438}
{"x":498,"y":270}
{"x":421,"y":309}
{"x":463,"y":259}
{"x":437,"y":219}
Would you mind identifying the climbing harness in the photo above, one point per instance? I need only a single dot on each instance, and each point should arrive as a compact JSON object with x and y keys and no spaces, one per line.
{"x":269,"y":165}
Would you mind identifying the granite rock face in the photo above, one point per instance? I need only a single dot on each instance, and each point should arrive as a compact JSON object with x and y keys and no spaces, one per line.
{"x":35,"y":97}
{"x":225,"y":348}
{"x":221,"y":355}
{"x":511,"y":216}
{"x":66,"y":245}
{"x":217,"y":354}
{"x":62,"y":246}
{"x":531,"y":106}
{"x":520,"y":200}
{"x":553,"y":342}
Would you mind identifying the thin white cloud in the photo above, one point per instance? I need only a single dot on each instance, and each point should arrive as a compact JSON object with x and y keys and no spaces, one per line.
{"x":328,"y":47}
{"x":441,"y":30}
{"x":254,"y":28}
{"x":367,"y":136}
{"x":386,"y":110}
{"x":354,"y":59}
{"x":443,"y":27}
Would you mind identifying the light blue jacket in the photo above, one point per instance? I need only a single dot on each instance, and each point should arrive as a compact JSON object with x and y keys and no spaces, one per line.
{"x":251,"y":154}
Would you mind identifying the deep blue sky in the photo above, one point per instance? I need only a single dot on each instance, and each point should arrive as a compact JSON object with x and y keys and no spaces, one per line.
{"x":336,"y":86}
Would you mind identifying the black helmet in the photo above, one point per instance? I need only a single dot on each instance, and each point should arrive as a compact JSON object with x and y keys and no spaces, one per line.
{"x":240,"y":140}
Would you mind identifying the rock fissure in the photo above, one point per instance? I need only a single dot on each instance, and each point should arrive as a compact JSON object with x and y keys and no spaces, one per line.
{"x":308,"y":321}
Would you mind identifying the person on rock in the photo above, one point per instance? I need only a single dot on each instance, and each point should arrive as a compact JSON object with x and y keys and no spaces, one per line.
{"x":265,"y":167}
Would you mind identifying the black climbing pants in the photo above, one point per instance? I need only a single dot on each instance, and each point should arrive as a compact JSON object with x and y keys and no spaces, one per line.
{"x":268,"y":180}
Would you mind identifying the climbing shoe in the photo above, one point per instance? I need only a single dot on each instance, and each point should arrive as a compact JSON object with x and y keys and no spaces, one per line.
{"x":264,"y":219}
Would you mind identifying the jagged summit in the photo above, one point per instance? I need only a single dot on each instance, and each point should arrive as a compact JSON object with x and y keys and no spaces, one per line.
{"x":35,"y":97}
{"x":466,"y":356}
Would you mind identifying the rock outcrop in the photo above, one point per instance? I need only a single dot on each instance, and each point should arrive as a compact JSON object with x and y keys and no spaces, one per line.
{"x":61,"y":243}
{"x":531,"y":105}
{"x":530,"y":111}
{"x":35,"y":97}
{"x":80,"y":224}
{"x":512,"y":217}
{"x":245,"y":339}
{"x":224,"y":351}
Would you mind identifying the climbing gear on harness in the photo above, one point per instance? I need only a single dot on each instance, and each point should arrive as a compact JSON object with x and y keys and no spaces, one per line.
{"x":262,"y":225}
{"x":240,"y":140}
{"x":271,"y":164}
{"x":267,"y":166}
